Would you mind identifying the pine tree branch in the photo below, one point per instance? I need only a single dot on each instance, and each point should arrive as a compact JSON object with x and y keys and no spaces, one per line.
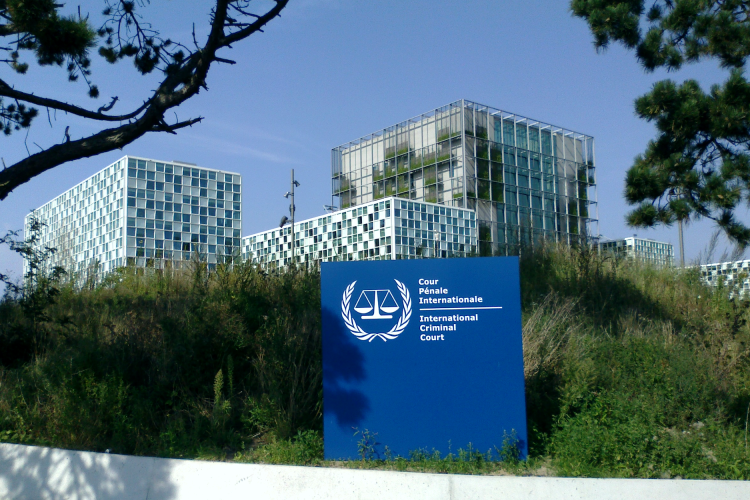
{"x":181,"y":82}
{"x":7,"y":91}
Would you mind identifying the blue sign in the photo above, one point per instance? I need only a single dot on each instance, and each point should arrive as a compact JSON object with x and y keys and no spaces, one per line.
{"x":422,"y":354}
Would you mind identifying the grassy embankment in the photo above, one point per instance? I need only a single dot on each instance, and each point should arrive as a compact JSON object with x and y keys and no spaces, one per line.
{"x":630,"y":371}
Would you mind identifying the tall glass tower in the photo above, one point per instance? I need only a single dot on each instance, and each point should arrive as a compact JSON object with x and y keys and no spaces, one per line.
{"x":526,"y":180}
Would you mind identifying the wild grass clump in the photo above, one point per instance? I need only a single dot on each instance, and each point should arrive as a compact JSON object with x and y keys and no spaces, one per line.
{"x":631,"y":371}
{"x":170,"y":363}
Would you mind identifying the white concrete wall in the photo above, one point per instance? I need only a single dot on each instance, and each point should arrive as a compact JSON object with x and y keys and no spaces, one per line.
{"x":28,"y":472}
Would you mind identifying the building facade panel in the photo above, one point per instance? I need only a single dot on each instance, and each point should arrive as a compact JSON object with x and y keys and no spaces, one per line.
{"x":142,"y":212}
{"x":734,"y":275}
{"x":85,"y":225}
{"x":386,"y":229}
{"x":176,"y":210}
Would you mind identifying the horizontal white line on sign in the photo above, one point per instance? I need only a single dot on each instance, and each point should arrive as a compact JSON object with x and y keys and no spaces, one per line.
{"x":455,"y":308}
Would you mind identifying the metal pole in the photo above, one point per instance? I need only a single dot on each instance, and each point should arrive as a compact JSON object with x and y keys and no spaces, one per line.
{"x":682,"y":245}
{"x":292,"y":210}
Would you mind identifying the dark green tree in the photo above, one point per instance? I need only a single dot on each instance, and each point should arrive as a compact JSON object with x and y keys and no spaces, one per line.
{"x":699,"y":163}
{"x":37,"y":30}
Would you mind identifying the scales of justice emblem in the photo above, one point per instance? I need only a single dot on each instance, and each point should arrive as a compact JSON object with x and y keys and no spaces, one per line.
{"x":376,"y":304}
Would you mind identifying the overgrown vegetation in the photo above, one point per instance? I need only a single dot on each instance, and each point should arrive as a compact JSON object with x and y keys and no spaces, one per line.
{"x":630,"y":371}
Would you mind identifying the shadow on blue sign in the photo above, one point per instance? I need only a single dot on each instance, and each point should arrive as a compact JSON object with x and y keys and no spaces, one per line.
{"x":343,"y":364}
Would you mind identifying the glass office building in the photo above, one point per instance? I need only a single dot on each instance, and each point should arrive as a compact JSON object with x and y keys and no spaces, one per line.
{"x":390,"y":228}
{"x":655,"y":252}
{"x":145,"y":213}
{"x":526,"y":180}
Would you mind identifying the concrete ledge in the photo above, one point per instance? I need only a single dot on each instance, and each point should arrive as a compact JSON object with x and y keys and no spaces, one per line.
{"x":29,"y":472}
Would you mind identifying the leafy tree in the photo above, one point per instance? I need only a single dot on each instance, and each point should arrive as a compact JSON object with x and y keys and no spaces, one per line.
{"x":699,"y":163}
{"x":36,"y":29}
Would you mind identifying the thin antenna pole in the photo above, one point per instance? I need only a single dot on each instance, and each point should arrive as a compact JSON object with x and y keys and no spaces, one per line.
{"x":292,"y":210}
{"x":682,"y":244}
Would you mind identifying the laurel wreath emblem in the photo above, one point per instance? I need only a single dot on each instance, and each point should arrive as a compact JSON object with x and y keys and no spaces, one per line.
{"x":394,"y":332}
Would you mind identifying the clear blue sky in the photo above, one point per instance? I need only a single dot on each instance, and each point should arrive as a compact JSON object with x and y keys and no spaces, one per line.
{"x":329,"y":71}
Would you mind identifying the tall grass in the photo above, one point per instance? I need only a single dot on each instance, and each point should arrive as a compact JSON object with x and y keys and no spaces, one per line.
{"x":165,"y":363}
{"x":630,"y":370}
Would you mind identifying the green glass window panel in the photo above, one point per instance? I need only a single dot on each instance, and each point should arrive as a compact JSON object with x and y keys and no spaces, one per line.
{"x":443,"y":151}
{"x":534,"y":139}
{"x":509,"y":156}
{"x":378,"y":190}
{"x":523,"y":158}
{"x":403,"y":183}
{"x":549,"y":222}
{"x":536,"y":220}
{"x":523,"y":178}
{"x":547,"y":165}
{"x":509,"y":133}
{"x":511,"y":196}
{"x":498,"y":192}
{"x":483,"y":169}
{"x":510,"y":175}
{"x":430,"y":194}
{"x":498,"y":130}
{"x":390,"y":168}
{"x":573,"y":225}
{"x":430,"y":175}
{"x":496,"y":152}
{"x":482,"y":150}
{"x":402,"y":163}
{"x":523,"y":198}
{"x":572,"y":206}
{"x":583,"y":190}
{"x":496,"y":172}
{"x":483,"y":189}
{"x":536,"y":181}
{"x":535,"y":163}
{"x":521,"y":137}
{"x":536,"y":201}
